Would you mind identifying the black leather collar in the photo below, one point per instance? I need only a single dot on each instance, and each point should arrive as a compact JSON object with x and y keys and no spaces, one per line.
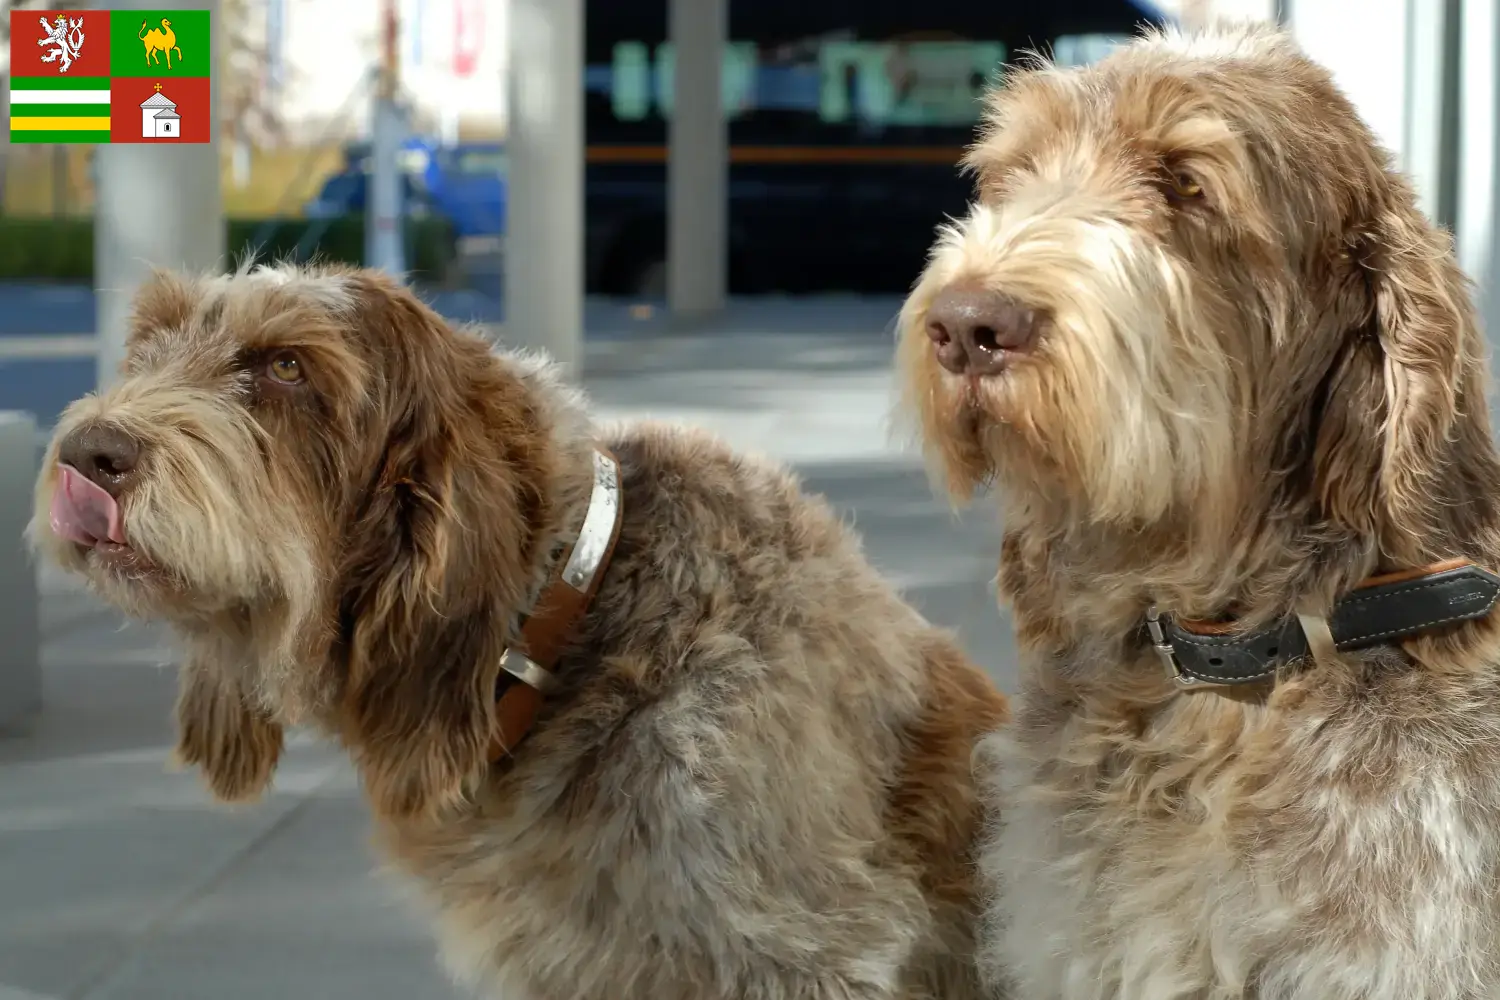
{"x":1391,"y":606}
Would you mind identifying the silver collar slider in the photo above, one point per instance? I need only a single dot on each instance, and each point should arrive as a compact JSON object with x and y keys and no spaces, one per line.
{"x":1164,"y":651}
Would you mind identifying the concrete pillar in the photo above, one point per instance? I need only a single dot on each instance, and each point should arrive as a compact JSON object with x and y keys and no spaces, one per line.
{"x":154,"y":206}
{"x":20,"y":662}
{"x":1432,"y":108}
{"x":1423,"y":73}
{"x":697,"y":160}
{"x":1364,"y":46}
{"x":544,"y":196}
{"x":1478,"y":198}
{"x":1398,"y":61}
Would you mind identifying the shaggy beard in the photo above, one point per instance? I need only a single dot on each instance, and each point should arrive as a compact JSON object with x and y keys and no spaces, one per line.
{"x":215,"y":532}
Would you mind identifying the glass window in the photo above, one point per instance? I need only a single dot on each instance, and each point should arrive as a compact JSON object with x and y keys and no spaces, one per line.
{"x":838,"y":80}
{"x":796,"y":73}
{"x":918,"y":83}
{"x":629,"y":84}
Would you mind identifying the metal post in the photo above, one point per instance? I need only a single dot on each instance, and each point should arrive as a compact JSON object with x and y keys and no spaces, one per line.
{"x":1446,"y":203}
{"x":384,"y":244}
{"x":544,"y":196}
{"x":154,"y":206}
{"x":697,"y":160}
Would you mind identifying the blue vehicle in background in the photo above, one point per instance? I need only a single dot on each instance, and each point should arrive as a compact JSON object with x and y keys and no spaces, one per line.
{"x":462,"y":183}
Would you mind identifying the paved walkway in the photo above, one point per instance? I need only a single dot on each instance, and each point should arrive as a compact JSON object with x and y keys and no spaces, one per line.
{"x":121,"y":881}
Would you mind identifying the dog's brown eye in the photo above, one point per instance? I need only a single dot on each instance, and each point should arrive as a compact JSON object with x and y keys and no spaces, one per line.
{"x":1185,"y":185}
{"x":285,"y":368}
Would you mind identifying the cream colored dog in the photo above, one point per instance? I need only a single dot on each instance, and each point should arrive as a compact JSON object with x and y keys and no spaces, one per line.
{"x":1228,"y":383}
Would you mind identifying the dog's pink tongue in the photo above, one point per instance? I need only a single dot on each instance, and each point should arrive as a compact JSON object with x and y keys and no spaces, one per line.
{"x":82,"y":511}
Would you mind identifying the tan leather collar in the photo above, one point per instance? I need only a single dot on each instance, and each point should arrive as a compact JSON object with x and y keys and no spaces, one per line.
{"x":1199,"y":626}
{"x":526,"y":668}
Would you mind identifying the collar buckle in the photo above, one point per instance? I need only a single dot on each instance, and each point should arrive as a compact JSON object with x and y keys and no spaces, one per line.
{"x":1164,"y":650}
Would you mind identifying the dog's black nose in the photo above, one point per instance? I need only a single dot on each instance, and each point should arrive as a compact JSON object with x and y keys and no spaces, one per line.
{"x":103,"y":454}
{"x":973,"y":330}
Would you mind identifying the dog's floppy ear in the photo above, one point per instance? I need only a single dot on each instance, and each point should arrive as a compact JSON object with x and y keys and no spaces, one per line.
{"x":434,"y":564}
{"x":234,"y":742}
{"x":1407,"y":384}
{"x":419,"y":647}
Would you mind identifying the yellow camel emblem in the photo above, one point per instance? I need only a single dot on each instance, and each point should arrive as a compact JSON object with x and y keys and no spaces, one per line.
{"x":159,"y":40}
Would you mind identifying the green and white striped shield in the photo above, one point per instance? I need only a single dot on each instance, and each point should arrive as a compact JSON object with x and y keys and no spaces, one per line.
{"x":59,"y":109}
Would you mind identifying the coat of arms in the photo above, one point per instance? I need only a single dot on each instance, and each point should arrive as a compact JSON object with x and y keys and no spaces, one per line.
{"x":66,"y":35}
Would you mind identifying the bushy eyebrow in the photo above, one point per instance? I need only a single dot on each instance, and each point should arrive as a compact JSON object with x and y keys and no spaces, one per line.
{"x":1198,"y":131}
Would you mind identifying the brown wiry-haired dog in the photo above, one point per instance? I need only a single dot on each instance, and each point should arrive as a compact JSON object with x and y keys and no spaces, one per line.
{"x":751,"y":777}
{"x":1229,"y":384}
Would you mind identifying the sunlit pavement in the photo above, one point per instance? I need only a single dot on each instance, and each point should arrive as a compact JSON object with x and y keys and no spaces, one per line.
{"x":121,"y":880}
